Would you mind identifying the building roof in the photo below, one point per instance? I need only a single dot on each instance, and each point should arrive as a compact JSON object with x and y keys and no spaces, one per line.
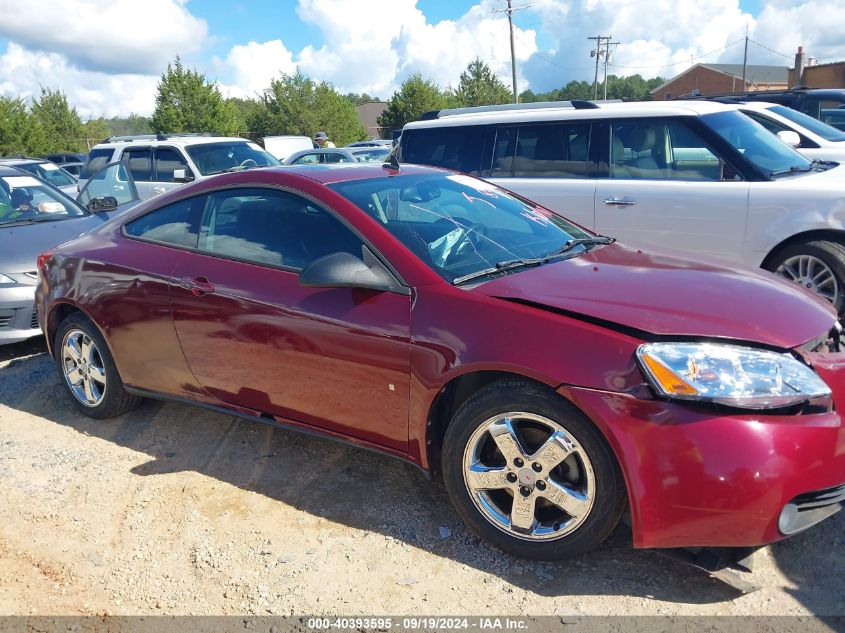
{"x":368,"y":114}
{"x":755,"y":74}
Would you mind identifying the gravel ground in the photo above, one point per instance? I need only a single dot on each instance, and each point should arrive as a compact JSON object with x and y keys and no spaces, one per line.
{"x":176,"y":510}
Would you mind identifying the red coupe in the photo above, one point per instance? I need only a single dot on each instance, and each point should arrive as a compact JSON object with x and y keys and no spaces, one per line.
{"x":556,"y":379}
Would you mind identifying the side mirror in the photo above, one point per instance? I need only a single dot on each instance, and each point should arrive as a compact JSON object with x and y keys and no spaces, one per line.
{"x":790,"y":138}
{"x":103,"y":204}
{"x":182,"y":175}
{"x":342,"y":270}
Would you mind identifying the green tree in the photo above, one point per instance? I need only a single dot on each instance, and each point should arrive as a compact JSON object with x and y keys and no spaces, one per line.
{"x":19,"y":132}
{"x":414,"y":97}
{"x":187,"y":102}
{"x":95,"y":131}
{"x":358,"y":99}
{"x":133,"y":124}
{"x":479,"y":86}
{"x":60,"y":123}
{"x":296,"y":104}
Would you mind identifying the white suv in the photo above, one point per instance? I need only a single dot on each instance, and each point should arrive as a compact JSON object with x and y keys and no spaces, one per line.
{"x":159,"y":162}
{"x":695,"y":176}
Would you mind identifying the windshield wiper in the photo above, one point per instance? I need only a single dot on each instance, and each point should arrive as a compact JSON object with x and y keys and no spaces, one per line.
{"x":795,"y":169}
{"x":32,"y":221}
{"x":523,"y":262}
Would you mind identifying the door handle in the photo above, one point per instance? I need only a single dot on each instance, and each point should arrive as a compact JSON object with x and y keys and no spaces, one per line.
{"x":198,"y":286}
{"x":157,"y":190}
{"x":620,"y":202}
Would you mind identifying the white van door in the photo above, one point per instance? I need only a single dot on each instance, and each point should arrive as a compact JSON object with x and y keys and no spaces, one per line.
{"x":549,"y":163}
{"x":669,"y":189}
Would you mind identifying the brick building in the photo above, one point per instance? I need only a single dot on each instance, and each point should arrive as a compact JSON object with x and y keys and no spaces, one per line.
{"x":707,"y":79}
{"x":809,"y":74}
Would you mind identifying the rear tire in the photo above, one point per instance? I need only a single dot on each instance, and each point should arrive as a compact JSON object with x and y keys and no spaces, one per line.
{"x":87,"y":370}
{"x":818,"y":266}
{"x":529,"y":473}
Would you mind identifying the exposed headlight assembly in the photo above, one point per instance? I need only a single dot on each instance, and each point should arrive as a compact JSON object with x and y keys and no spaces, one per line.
{"x":731,"y":375}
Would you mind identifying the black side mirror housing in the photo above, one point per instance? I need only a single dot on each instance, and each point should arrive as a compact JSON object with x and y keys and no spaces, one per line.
{"x":102,"y":204}
{"x":342,"y":270}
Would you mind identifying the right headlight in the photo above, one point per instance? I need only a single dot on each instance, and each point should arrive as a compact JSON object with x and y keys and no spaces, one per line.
{"x":732,"y":375}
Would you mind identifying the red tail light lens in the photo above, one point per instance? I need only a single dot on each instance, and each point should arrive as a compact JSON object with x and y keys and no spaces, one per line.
{"x":43,"y":258}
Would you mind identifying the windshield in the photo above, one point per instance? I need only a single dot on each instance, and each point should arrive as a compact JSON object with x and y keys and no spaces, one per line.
{"x":26,"y":199}
{"x":827,"y":132}
{"x":458,"y":225}
{"x":760,"y":147}
{"x":49,"y":172}
{"x":215,"y":158}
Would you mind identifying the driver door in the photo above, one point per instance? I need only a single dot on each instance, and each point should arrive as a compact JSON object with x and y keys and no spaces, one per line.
{"x":113,"y":180}
{"x":255,"y":338}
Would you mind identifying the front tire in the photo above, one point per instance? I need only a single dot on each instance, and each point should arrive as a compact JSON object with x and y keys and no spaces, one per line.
{"x":530,"y":474}
{"x":87,"y":370}
{"x":818,"y":266}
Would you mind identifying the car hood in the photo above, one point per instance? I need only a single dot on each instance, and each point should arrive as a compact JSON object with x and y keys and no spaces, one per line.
{"x":20,"y":245}
{"x":664,"y":295}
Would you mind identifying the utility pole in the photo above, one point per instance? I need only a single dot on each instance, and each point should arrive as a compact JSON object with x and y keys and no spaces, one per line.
{"x":608,"y":44}
{"x":595,"y":53}
{"x":510,"y":11}
{"x":745,"y":58}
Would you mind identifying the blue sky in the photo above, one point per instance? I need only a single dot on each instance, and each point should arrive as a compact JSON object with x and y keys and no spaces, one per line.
{"x":107,"y":55}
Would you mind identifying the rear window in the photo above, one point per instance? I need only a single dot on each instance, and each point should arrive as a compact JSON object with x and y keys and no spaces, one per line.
{"x":455,"y":147}
{"x":97,"y":159}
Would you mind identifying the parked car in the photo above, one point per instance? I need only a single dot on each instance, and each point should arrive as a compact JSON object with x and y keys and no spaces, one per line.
{"x":315,"y":156}
{"x":161,"y":162}
{"x":62,"y":158}
{"x":811,"y":101}
{"x":283,"y":146}
{"x":813,"y":138}
{"x":697,"y":176}
{"x":73,"y":169}
{"x":834,"y":117}
{"x":371,"y":154}
{"x":46,"y":171}
{"x":35,"y":216}
{"x":555,"y":377}
{"x":372,"y":143}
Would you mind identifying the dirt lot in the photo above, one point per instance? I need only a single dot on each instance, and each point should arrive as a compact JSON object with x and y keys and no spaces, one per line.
{"x":176,"y":510}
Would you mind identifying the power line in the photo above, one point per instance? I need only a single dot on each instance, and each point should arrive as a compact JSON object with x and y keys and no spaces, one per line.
{"x":682,"y":62}
{"x":770,"y":49}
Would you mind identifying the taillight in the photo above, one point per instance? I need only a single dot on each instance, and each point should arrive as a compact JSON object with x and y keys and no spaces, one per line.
{"x":43,"y":258}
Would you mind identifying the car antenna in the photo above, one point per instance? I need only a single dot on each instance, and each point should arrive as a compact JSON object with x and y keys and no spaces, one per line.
{"x":392,"y":163}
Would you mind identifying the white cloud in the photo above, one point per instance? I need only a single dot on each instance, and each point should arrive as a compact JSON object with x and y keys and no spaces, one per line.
{"x":254,"y":65}
{"x":23,"y":72}
{"x":373,"y":49}
{"x":118,"y":36}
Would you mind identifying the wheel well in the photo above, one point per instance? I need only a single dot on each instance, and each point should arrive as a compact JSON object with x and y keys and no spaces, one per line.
{"x":56,"y":316}
{"x":828,"y":235}
{"x":449,"y":400}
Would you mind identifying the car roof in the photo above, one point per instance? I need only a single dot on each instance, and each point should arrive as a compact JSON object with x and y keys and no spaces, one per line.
{"x":329,"y":173}
{"x":21,"y":160}
{"x":552,"y":112}
{"x":164,"y":139}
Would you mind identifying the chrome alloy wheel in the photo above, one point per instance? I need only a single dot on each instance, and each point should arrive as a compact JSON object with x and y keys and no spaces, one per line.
{"x":811,"y":273}
{"x":528,"y":476}
{"x":83,"y":368}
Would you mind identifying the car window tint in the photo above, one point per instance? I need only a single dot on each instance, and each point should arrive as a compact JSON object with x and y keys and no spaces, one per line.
{"x":174,"y":224}
{"x":168,"y":160}
{"x":454,"y":147}
{"x":275,"y":228}
{"x":503,"y":151}
{"x":649,"y":149}
{"x":770,"y":124}
{"x":112,"y":181}
{"x":307,"y":159}
{"x":333,"y":157}
{"x":552,"y":151}
{"x":138,"y":161}
{"x":97,"y":159}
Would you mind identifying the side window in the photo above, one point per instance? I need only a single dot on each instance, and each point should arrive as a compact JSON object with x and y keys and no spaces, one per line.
{"x":110,"y":181}
{"x":97,"y":159}
{"x":270,"y":227}
{"x":649,"y":149}
{"x":336,"y":158}
{"x":503,"y":150}
{"x":307,"y":159}
{"x":175,"y":224}
{"x":453,"y":147}
{"x":167,"y":161}
{"x":138,"y":160}
{"x":773,"y":126}
{"x":833,"y":113}
{"x":558,"y":150}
